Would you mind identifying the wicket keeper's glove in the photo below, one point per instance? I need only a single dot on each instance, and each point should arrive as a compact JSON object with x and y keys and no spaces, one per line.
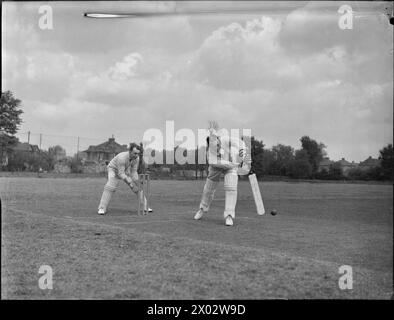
{"x":134,"y":186}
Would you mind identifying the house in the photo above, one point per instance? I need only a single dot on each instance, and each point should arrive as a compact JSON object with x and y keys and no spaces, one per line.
{"x":26,"y":147}
{"x":19,"y":147}
{"x":369,"y":163}
{"x":104,"y":151}
{"x":325,"y":164}
{"x":346,"y":165}
{"x":343,"y":164}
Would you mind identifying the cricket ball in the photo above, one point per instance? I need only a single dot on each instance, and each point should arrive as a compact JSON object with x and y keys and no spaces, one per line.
{"x":274,"y":212}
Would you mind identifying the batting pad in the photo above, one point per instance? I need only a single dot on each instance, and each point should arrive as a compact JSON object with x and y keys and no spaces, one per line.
{"x":230,"y":191}
{"x":109,"y":190}
{"x":230,"y":181}
{"x":208,"y":194}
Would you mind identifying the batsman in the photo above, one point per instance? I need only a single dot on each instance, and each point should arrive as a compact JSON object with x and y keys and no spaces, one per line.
{"x":124,"y":166}
{"x":227,"y":156}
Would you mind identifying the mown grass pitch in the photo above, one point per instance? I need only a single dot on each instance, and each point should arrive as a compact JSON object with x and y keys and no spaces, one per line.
{"x":168,"y":255}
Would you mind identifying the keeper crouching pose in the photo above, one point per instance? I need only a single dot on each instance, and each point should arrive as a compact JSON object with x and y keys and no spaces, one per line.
{"x":225,"y":156}
{"x":124,"y":167}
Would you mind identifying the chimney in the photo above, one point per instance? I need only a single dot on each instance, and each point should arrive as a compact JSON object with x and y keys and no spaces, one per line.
{"x":111,"y":139}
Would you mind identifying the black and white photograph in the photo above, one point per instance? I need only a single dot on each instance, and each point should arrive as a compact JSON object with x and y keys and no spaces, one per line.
{"x":213,"y":152}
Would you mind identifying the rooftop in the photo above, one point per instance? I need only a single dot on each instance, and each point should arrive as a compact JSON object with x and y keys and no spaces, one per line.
{"x":344,"y":162}
{"x":110,"y":146}
{"x":370,"y":162}
{"x":325,"y":162}
{"x":24,"y":146}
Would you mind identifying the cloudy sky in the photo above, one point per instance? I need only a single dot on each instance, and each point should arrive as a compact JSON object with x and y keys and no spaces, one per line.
{"x":282,"y":70}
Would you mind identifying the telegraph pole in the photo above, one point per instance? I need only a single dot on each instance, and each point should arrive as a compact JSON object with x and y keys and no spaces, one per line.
{"x":78,"y":149}
{"x":40,"y":140}
{"x":28,"y":137}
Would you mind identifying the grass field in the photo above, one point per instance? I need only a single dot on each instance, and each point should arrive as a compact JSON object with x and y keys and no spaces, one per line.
{"x":168,"y":255}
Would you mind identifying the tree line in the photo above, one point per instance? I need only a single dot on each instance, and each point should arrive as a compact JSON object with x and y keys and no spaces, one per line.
{"x":303,"y":163}
{"x":280,"y":160}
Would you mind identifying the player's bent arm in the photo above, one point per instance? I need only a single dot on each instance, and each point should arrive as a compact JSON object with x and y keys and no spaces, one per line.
{"x":134,"y":171}
{"x":122,"y":174}
{"x":122,"y":165}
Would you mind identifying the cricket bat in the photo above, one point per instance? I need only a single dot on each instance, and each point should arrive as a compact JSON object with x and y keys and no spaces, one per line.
{"x":256,"y":194}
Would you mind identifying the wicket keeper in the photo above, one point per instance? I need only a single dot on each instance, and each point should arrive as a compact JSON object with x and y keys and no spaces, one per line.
{"x":226,"y":155}
{"x":124,"y":167}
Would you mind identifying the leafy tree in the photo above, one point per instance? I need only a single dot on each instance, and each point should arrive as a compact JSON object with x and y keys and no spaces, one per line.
{"x":376,"y":173}
{"x":322,"y":174}
{"x":76,"y":165}
{"x":268,"y":162}
{"x":301,"y":155}
{"x":9,"y":113}
{"x":56,"y":151}
{"x":257,"y":156}
{"x":314,"y":150}
{"x":10,"y":119}
{"x":335,"y":171}
{"x":386,"y":161}
{"x":54,"y":154}
{"x":283,"y":156}
{"x":300,"y":169}
{"x":356,"y":174}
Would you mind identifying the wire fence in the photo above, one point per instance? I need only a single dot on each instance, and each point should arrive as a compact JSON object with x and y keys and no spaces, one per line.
{"x":71,"y":144}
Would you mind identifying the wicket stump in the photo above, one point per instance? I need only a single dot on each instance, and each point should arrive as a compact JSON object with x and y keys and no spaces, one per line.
{"x":143,"y":193}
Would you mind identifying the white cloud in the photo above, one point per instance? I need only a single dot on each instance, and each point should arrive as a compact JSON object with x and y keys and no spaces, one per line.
{"x":283,"y":77}
{"x":249,"y":57}
{"x":127,"y":68}
{"x":41,"y":75}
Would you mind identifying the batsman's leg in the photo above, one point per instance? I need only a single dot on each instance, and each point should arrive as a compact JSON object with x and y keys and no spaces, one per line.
{"x":230,"y":190}
{"x":209,"y":191}
{"x":210,"y":187}
{"x":109,"y":190}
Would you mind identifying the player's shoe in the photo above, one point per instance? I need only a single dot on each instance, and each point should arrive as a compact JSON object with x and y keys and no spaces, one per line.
{"x":229,"y":221}
{"x":101,"y":211}
{"x":199,"y":214}
{"x":149,"y":210}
